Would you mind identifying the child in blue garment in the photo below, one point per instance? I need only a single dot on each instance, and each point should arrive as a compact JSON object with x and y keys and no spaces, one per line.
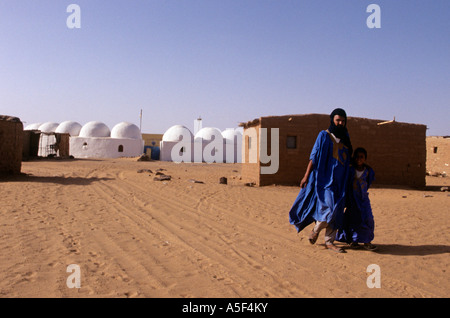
{"x":358,"y":224}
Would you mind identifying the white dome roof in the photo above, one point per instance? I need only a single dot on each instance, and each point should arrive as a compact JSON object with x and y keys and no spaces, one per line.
{"x":230,"y":134}
{"x":48,"y":127}
{"x":174,"y":133}
{"x":95,"y":129}
{"x":34,"y":126}
{"x":207,"y":134}
{"x":69,"y":127}
{"x":126,"y":130}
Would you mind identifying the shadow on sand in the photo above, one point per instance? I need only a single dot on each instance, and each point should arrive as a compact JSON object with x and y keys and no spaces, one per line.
{"x":412,"y":250}
{"x":435,"y":188}
{"x":431,"y":188}
{"x":53,"y":179}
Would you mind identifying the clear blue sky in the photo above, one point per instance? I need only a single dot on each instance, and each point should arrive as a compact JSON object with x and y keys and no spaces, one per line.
{"x":228,"y":61}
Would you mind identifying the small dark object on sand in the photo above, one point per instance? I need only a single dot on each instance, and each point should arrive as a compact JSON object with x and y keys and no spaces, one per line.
{"x":144,"y":170}
{"x":162,"y":178}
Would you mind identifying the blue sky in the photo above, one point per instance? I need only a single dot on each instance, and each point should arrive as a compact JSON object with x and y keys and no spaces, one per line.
{"x":228,"y":61}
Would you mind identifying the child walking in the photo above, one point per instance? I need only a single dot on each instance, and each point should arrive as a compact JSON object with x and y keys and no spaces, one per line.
{"x":358,"y":224}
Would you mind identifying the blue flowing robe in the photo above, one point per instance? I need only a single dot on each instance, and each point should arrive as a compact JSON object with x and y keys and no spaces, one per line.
{"x":358,"y":225}
{"x":323,"y":198}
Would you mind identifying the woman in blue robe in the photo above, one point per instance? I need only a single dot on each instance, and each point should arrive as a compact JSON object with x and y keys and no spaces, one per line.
{"x":358,"y":223}
{"x":322,"y":197}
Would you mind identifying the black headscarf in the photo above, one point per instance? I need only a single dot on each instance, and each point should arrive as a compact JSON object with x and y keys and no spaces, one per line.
{"x":341,"y":132}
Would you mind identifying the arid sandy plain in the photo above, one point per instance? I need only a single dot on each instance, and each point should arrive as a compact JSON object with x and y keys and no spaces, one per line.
{"x":132,"y":236}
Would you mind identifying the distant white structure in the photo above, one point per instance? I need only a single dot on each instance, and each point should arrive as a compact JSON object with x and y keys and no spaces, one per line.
{"x":178,"y":133}
{"x":95,"y":129}
{"x":177,"y":137}
{"x":233,"y":138}
{"x":69,"y":127}
{"x":48,"y":127}
{"x":34,"y":126}
{"x":208,"y":145}
{"x":95,"y":139}
{"x":197,"y":125}
{"x":208,"y":134}
{"x":126,"y":130}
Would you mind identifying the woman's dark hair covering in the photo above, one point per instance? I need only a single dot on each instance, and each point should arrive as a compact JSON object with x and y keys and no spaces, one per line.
{"x":341,"y":132}
{"x":340,"y":112}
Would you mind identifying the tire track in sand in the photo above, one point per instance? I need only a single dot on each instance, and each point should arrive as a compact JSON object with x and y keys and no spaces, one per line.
{"x":198,"y":260}
{"x":193,"y":226}
{"x":210,"y":240}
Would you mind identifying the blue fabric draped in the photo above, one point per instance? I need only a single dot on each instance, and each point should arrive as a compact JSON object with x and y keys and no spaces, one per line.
{"x":323,"y":198}
{"x":358,"y":225}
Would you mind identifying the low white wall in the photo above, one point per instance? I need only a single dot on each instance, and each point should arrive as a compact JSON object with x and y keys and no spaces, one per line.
{"x":103,"y":147}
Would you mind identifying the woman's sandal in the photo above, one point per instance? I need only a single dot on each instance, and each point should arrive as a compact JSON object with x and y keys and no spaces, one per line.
{"x":334,"y":248}
{"x":313,"y":237}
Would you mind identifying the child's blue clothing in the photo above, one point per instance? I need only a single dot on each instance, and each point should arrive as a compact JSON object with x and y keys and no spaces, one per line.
{"x":358,"y":225}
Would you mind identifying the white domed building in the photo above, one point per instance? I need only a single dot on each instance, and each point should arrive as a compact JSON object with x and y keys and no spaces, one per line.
{"x":34,"y":126}
{"x":48,"y":127}
{"x":126,"y":130}
{"x":177,"y":142}
{"x":208,"y":134}
{"x":96,"y":140}
{"x":208,"y":145}
{"x":69,"y":127}
{"x":177,"y":133}
{"x":92,"y":140}
{"x":47,"y":139}
{"x":95,"y":129}
{"x":233,"y":145}
{"x":211,"y":143}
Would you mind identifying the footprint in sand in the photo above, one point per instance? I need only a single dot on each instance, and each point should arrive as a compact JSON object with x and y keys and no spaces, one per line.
{"x":27,"y":277}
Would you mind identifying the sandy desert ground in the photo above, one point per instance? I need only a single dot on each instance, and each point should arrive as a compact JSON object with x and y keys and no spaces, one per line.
{"x":132,"y":236}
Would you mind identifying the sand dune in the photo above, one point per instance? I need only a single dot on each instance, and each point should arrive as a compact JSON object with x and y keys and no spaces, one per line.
{"x":136,"y":237}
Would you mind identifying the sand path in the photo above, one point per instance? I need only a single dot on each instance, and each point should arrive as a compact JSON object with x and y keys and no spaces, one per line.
{"x":135,"y":237}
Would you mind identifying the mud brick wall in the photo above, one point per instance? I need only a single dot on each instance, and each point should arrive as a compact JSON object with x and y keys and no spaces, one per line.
{"x":64,"y":146}
{"x":11,"y":143}
{"x":438,"y":156}
{"x":293,"y":162}
{"x":30,"y":144}
{"x":396,"y":151}
{"x":251,"y":168}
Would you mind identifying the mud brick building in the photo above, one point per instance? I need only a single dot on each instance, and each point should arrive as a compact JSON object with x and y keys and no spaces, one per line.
{"x":396,"y":151}
{"x":11,"y":141}
{"x":438,"y":156}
